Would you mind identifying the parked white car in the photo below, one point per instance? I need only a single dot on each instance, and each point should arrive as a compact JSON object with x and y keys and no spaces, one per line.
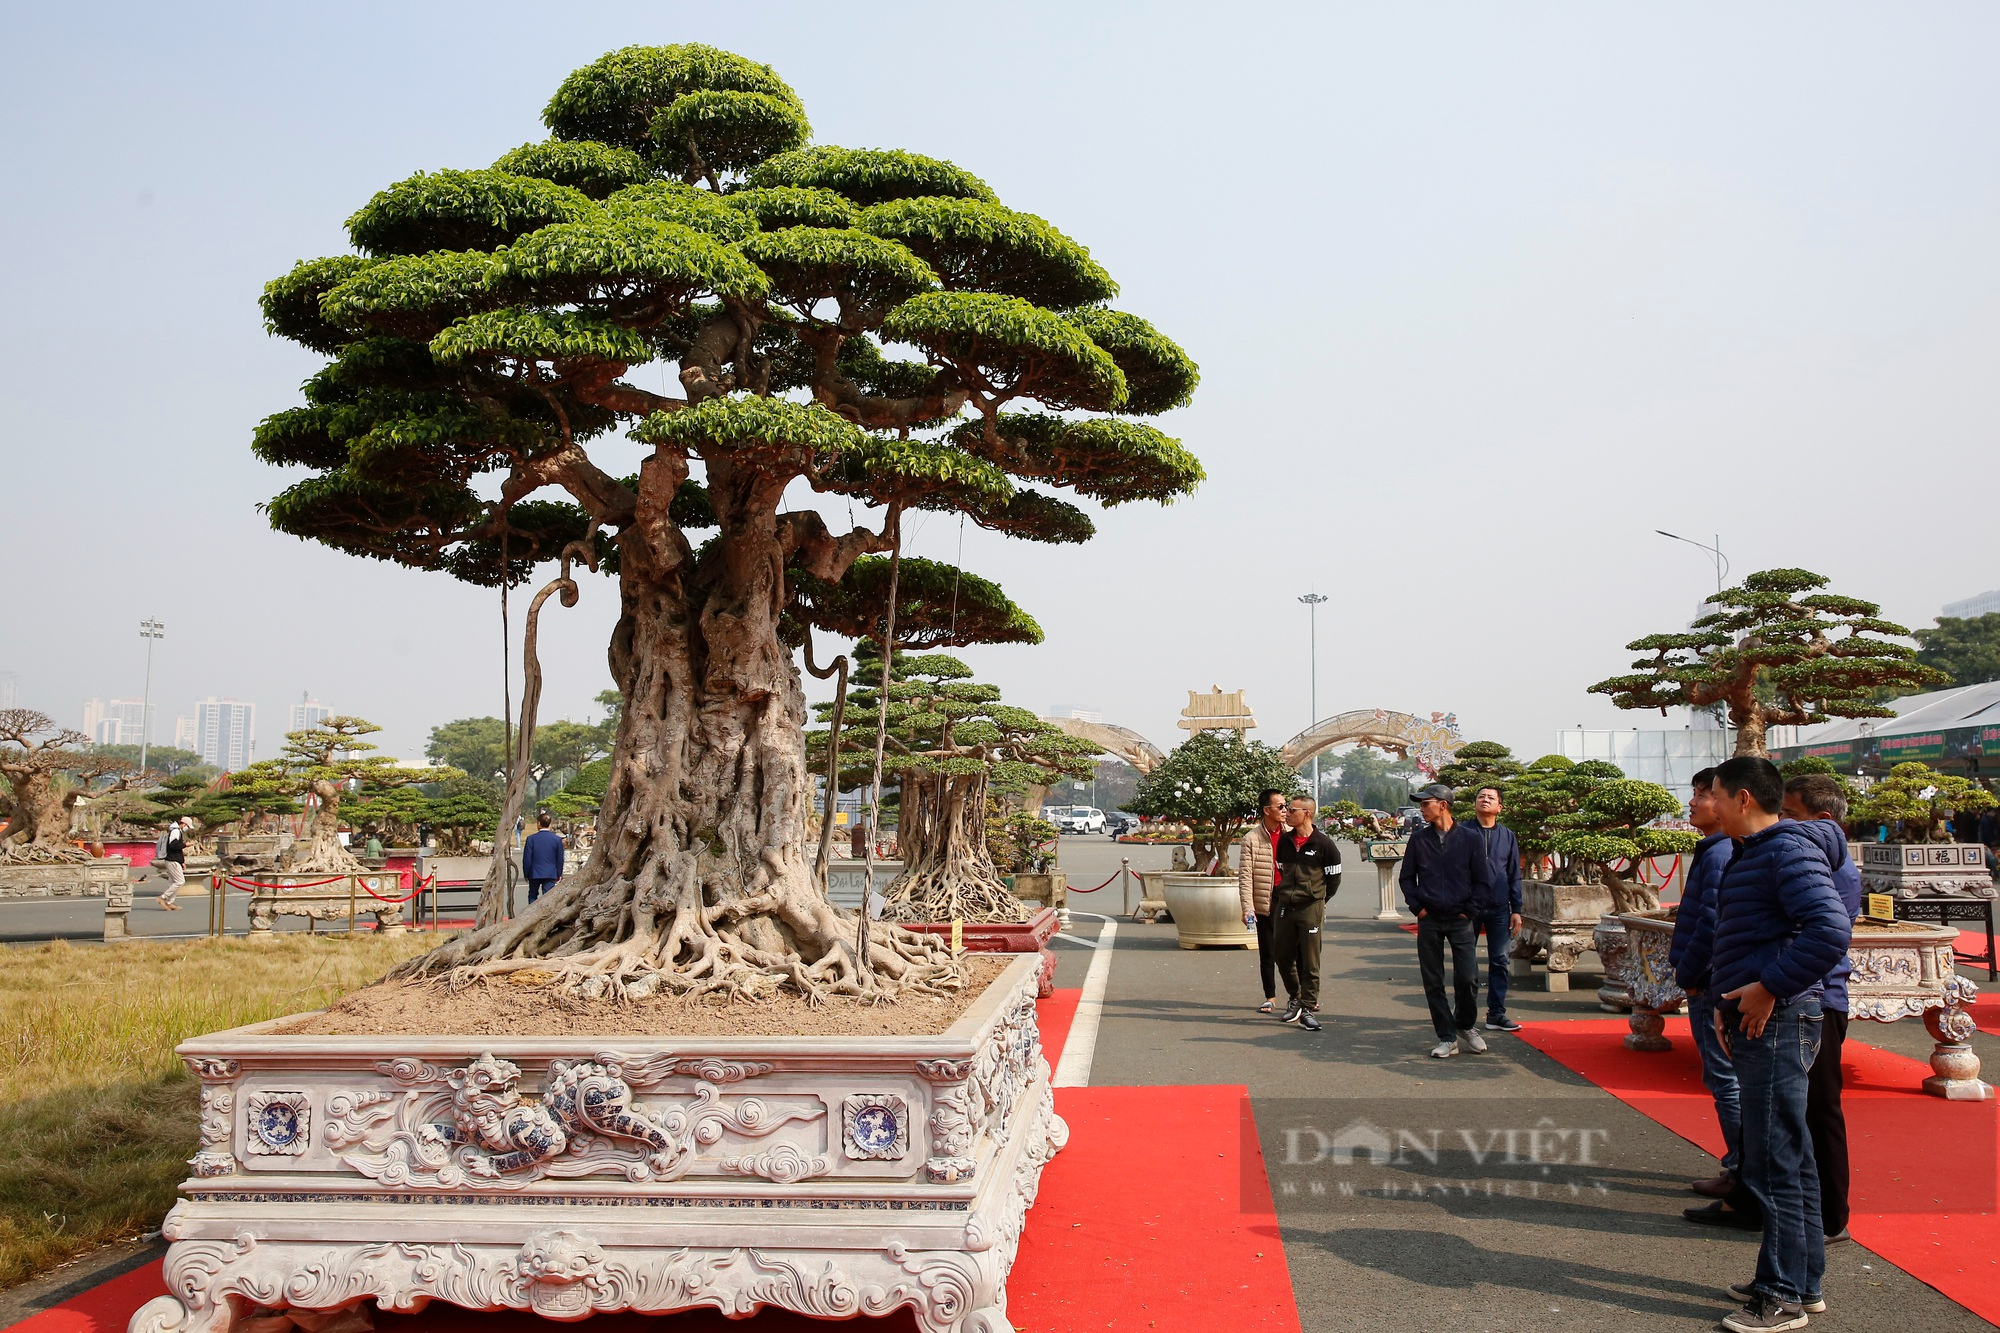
{"x":1078,"y":819}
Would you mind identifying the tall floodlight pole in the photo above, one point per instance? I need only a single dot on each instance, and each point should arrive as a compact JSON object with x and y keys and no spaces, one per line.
{"x":1312,"y":601}
{"x":1721,"y":560}
{"x":149,"y":630}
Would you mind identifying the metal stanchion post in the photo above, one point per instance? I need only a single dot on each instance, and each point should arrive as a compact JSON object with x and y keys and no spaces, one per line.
{"x":1125,"y":885}
{"x":353,"y":887}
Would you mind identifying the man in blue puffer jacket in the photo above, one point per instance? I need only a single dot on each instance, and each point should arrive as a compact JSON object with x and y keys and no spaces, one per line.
{"x":1694,"y":938}
{"x":1780,"y":928}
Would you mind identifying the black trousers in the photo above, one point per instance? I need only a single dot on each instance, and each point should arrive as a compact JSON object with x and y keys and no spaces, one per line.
{"x":1433,"y":934}
{"x":1295,"y":938}
{"x":1267,"y":962}
{"x":1826,"y":1122}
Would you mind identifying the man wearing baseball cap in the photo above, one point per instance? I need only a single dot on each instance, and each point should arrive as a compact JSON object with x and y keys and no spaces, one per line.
{"x":1447,"y":883}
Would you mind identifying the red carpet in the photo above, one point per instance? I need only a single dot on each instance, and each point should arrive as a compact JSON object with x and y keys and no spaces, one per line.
{"x":1107,"y":1246}
{"x":1933,"y":1211}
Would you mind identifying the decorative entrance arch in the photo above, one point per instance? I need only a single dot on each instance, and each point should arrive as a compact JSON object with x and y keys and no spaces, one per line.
{"x":1430,"y":742}
{"x":1119,"y":742}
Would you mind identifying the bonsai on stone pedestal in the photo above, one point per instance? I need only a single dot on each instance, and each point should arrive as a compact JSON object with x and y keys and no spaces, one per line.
{"x":319,"y":764}
{"x":1561,"y":901}
{"x":1210,"y":782}
{"x":478,"y":418}
{"x":1921,"y":858}
{"x":48,"y":769}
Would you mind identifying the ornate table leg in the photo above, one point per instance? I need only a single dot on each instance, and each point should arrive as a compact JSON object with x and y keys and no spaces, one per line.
{"x":1648,"y":1031}
{"x":1956,"y":1064}
{"x":1614,"y":996}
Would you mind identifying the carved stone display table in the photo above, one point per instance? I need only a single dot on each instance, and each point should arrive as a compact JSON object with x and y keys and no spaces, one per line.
{"x":1926,"y":869}
{"x":1030,"y":936}
{"x":1387,"y":855}
{"x":1152,"y":891}
{"x":1608,"y":938}
{"x":94,"y":878}
{"x":833,"y":1176}
{"x":323,"y":897}
{"x":1207,"y":911}
{"x":1557,"y":923}
{"x":1901,"y":970}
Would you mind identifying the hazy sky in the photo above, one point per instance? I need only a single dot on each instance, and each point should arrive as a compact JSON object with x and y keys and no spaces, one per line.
{"x":1482,"y":295}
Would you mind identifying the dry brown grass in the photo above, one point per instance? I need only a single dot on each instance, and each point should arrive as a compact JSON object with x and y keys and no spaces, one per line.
{"x":97,"y":1116}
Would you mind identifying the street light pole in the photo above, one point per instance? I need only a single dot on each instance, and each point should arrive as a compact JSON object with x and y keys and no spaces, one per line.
{"x":1312,"y":601}
{"x":1721,"y":560}
{"x":149,"y":630}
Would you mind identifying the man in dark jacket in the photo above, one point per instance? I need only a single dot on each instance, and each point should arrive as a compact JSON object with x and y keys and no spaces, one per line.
{"x":1446,"y":882}
{"x":1779,"y":929}
{"x":1694,"y":938}
{"x":542,"y":858}
{"x":1501,"y":920}
{"x":1308,"y":873}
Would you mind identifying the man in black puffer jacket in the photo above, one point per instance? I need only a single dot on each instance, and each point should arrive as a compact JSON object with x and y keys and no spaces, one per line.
{"x":1780,"y":928}
{"x":1308,"y":873}
{"x":1447,"y":881}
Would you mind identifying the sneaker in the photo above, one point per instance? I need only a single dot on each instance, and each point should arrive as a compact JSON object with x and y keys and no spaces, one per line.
{"x":1309,"y":1021}
{"x":1292,"y":1012}
{"x":1502,"y":1024}
{"x":1472,"y":1041}
{"x":1268,"y":1007}
{"x":1444,"y":1050}
{"x":1745,"y":1292}
{"x":1766,"y":1314}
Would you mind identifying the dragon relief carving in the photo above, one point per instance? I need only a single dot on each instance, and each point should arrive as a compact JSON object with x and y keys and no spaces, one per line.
{"x":471,"y":1126}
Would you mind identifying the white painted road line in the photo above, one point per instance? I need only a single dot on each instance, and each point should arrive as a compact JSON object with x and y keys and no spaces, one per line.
{"x":1080,"y":1047}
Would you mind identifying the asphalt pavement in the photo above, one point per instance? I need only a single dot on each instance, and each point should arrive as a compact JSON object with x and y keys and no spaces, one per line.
{"x":1578,"y":1227}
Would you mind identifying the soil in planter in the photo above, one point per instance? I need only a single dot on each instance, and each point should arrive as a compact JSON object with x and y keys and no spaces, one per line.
{"x":520,"y":1008}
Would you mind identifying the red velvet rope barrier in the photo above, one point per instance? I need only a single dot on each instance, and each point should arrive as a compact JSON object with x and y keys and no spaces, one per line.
{"x":1114,"y":875}
{"x":251,"y":886}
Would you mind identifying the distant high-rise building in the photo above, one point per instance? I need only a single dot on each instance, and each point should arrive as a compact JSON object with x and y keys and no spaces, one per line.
{"x":225,"y":732}
{"x":1072,"y":711}
{"x":9,"y":695}
{"x":131,"y":719}
{"x":185,"y":735}
{"x":308,"y":712}
{"x":1984,"y":604}
{"x":93,"y":714}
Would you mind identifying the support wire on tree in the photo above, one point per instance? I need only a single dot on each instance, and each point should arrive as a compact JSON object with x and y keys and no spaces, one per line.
{"x":881,"y":735}
{"x":823,"y":862}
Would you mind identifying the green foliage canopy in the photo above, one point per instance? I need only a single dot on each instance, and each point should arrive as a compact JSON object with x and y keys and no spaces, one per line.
{"x":1965,"y":649}
{"x":1914,"y":801}
{"x":1776,"y":653}
{"x":1210,"y":782}
{"x":483,"y":333}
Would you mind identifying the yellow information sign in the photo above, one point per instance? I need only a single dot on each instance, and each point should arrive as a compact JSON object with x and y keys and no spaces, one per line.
{"x":1882,"y":906}
{"x":957,"y":935}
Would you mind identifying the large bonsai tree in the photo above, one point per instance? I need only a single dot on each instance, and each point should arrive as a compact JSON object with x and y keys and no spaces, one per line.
{"x":953,"y":747}
{"x":469,"y":422}
{"x":1776,"y":653}
{"x":48,"y":769}
{"x":1479,"y":764}
{"x":1915,"y":800}
{"x":1548,"y":788}
{"x":322,"y":761}
{"x":1210,"y":782}
{"x":1611,"y":832}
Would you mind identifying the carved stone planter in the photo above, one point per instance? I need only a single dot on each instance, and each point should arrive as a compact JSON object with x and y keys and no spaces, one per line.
{"x":1650,"y":988}
{"x":1905,"y":970}
{"x":1557,"y":922}
{"x":1926,"y":870}
{"x":1030,"y":936}
{"x":1152,"y":894}
{"x":1607,"y":937}
{"x":1207,"y":911}
{"x":323,"y":897}
{"x":72,"y":879}
{"x":833,"y":1176}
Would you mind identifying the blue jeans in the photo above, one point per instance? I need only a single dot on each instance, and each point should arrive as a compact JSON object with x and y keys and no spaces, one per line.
{"x":1778,"y":1166}
{"x":1497,"y":926}
{"x":1718,"y":1075}
{"x":538,"y":887}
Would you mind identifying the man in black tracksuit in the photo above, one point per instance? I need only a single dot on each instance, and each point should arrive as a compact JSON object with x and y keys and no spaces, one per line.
{"x":1447,"y":882}
{"x":1308,"y":866}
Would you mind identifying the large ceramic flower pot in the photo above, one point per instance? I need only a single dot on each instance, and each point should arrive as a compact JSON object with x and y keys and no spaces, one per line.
{"x":1207,"y":911}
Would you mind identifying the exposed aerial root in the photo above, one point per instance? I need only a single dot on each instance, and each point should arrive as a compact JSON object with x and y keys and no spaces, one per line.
{"x":41,"y":854}
{"x":942,"y":894}
{"x":566,"y":944}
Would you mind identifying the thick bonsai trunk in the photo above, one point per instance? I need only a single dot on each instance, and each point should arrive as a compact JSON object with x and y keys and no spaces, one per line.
{"x":38,"y":823}
{"x":324,"y":854}
{"x":700,"y":882}
{"x":947,"y":873}
{"x":1628,"y":895}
